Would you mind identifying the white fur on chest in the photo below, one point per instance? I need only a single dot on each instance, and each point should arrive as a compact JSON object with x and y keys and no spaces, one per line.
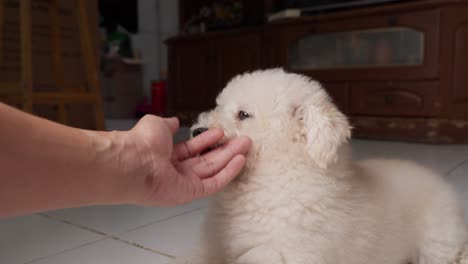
{"x":294,"y":214}
{"x":303,"y":217}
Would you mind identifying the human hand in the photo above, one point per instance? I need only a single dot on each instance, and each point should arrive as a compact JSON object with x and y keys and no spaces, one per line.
{"x":171,"y":174}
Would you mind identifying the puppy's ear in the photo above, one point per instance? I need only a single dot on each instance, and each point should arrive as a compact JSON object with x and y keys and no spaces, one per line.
{"x":325,"y":128}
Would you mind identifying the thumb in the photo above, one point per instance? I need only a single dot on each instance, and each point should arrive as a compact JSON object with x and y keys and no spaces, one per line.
{"x":172,"y":123}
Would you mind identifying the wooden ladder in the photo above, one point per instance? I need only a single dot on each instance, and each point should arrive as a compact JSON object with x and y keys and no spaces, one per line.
{"x":57,"y":34}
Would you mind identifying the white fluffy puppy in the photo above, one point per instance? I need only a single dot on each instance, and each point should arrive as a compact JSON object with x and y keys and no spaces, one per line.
{"x":301,"y":199}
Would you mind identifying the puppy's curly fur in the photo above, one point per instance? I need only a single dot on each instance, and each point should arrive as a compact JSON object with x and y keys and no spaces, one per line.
{"x":301,"y":199}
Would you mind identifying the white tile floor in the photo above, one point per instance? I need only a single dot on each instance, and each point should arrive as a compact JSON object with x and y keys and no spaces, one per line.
{"x":130,"y":235}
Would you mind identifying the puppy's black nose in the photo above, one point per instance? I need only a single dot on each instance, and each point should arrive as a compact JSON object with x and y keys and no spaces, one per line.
{"x":198,"y":131}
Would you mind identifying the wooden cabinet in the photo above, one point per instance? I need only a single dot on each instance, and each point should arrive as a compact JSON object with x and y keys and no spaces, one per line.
{"x":77,"y":114}
{"x":237,"y":55}
{"x":454,"y":61}
{"x":371,"y":47}
{"x":193,"y":65}
{"x":200,"y":67}
{"x":339,"y":91}
{"x":394,"y":98}
{"x":398,"y":71}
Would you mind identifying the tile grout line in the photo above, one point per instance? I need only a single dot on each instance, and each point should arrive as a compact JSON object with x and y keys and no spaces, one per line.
{"x":461,"y":163}
{"x":105,"y":236}
{"x":161,"y":220}
{"x":114,"y":237}
{"x":131,"y":243}
{"x":64,"y":221}
{"x":63,"y":251}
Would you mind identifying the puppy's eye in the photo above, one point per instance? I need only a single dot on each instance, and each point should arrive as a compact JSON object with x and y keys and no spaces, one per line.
{"x":242,"y":115}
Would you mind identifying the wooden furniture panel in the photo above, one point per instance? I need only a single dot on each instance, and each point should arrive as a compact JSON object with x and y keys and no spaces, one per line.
{"x":70,"y":48}
{"x":394,"y":98}
{"x":10,"y":49}
{"x":422,"y":130}
{"x":81,"y":115}
{"x":455,"y":62}
{"x":48,"y":111}
{"x":339,"y":92}
{"x":427,"y":22}
{"x":14,"y":101}
{"x":194,"y":68}
{"x":460,"y":77}
{"x":199,"y":68}
{"x":415,"y":100}
{"x":48,"y":56}
{"x":237,"y":55}
{"x":272,"y":54}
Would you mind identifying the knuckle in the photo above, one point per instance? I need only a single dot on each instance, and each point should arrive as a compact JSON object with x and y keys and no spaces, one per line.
{"x":147,"y":117}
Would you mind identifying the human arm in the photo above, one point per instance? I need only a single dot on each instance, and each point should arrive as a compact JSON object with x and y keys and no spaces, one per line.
{"x":45,"y":165}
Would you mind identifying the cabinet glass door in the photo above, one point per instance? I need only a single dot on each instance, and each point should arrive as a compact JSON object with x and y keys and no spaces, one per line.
{"x":383,"y":47}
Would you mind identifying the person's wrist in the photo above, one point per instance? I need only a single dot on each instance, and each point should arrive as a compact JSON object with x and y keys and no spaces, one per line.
{"x":121,"y":167}
{"x":135,"y":166}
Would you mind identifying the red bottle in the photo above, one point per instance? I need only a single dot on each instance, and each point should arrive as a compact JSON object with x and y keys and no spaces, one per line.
{"x":158,"y":94}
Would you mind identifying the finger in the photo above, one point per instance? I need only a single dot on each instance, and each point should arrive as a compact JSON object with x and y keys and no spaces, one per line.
{"x":172,"y":123}
{"x":194,"y":146}
{"x":214,"y":161}
{"x":222,"y":178}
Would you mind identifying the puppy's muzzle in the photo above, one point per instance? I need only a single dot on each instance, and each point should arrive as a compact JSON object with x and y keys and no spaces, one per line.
{"x":197,"y":131}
